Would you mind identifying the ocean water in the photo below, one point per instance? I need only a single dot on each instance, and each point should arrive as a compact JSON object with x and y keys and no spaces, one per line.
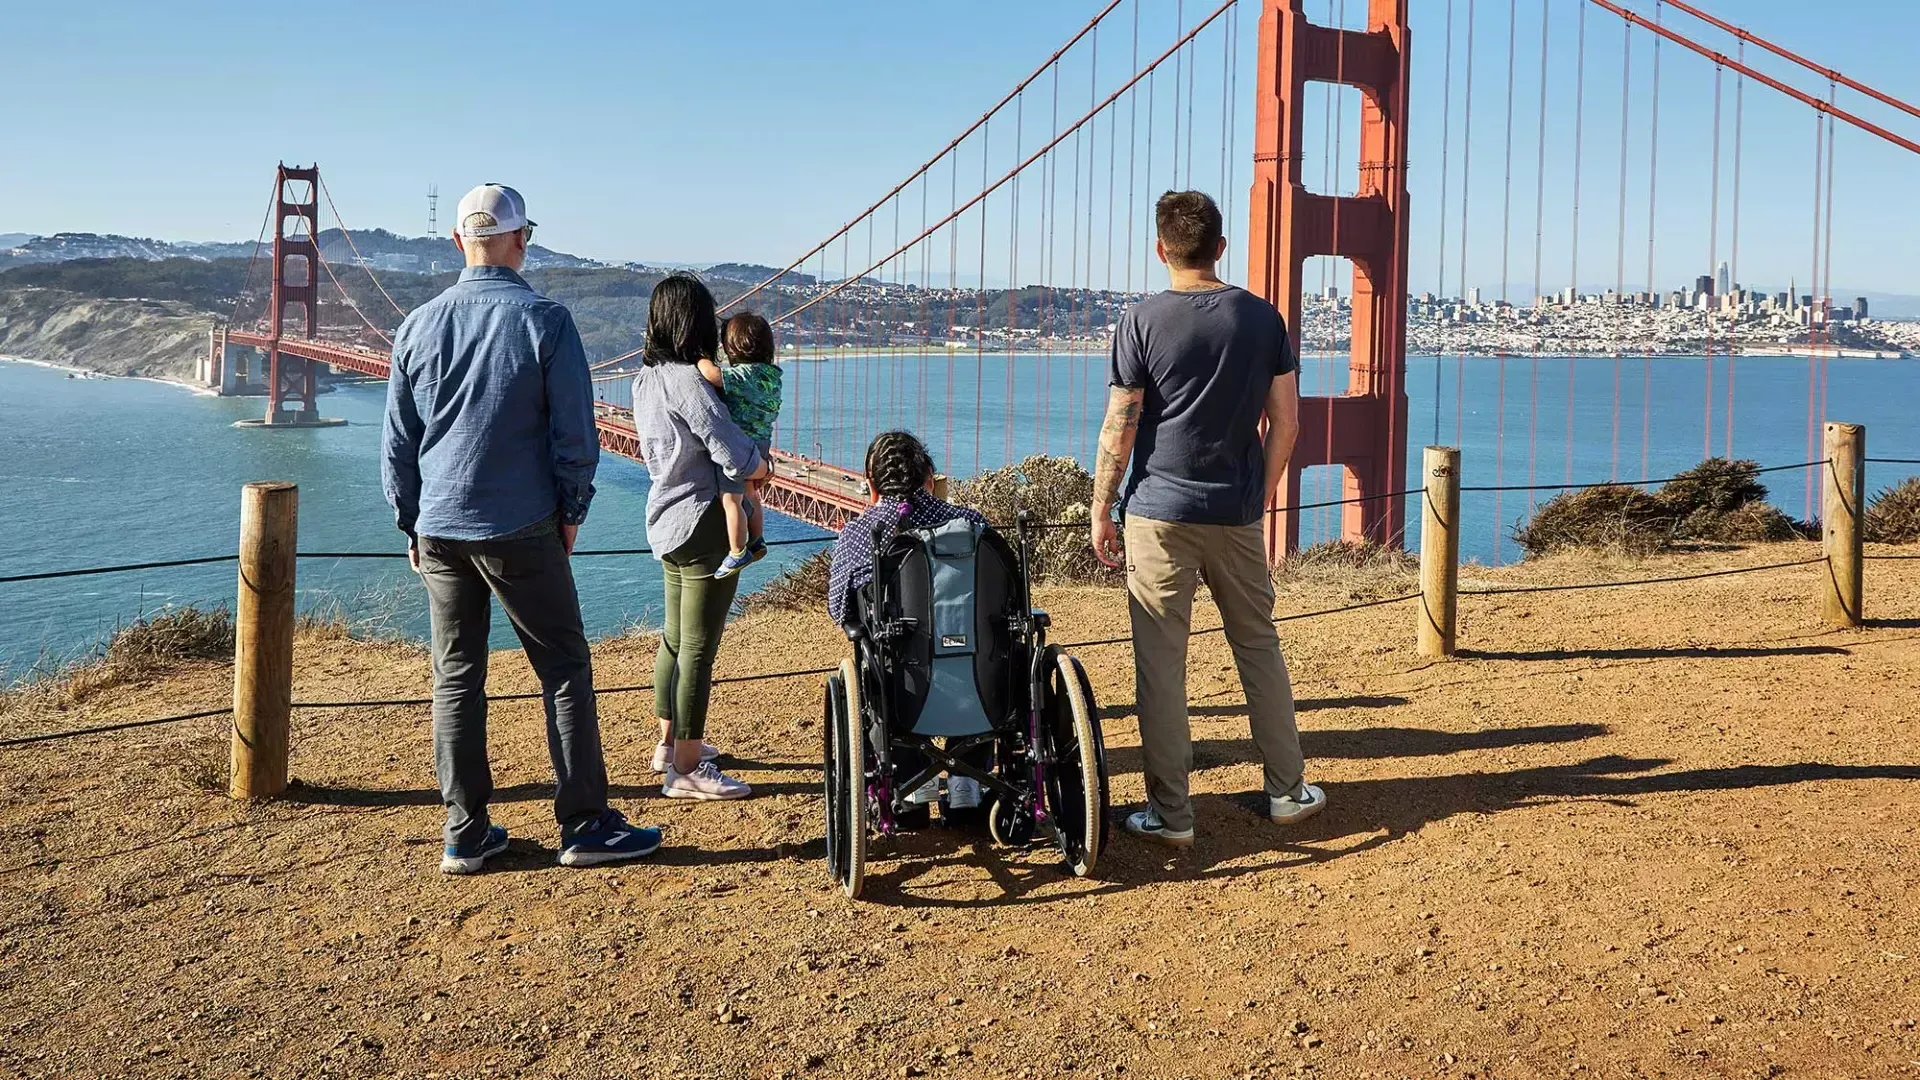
{"x":108,"y":471}
{"x":105,"y":471}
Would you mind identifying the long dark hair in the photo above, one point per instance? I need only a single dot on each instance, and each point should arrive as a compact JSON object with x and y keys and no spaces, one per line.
{"x":681,"y":326}
{"x":898,"y":464}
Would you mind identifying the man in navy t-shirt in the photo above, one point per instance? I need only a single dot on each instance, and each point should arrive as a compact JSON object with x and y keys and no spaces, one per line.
{"x":1195,"y":370}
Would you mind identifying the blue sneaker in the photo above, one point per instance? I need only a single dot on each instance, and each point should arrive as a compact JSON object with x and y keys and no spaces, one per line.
{"x":456,"y":861}
{"x":735,"y":562}
{"x":757,"y":547}
{"x":612,"y":839}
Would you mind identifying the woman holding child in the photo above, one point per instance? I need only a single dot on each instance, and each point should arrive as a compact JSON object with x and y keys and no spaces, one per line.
{"x":700,"y":460}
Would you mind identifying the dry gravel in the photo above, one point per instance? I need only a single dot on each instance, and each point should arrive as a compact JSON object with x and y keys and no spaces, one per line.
{"x":1665,"y":831}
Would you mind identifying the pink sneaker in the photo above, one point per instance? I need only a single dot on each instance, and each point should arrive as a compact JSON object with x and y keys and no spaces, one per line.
{"x":705,"y":782}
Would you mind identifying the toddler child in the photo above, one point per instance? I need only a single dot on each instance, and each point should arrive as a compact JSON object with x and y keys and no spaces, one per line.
{"x":750,"y":386}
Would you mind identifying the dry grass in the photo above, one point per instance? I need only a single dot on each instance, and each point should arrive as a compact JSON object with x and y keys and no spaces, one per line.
{"x":1718,"y":501}
{"x":803,"y":587}
{"x":1367,"y":570}
{"x":1893,"y":516}
{"x":141,"y":650}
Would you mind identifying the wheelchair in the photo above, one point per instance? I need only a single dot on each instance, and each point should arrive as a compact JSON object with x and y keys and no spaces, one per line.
{"x":947,"y":645}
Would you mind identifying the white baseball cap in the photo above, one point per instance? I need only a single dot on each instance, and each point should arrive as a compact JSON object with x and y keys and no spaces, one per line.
{"x":507,"y":208}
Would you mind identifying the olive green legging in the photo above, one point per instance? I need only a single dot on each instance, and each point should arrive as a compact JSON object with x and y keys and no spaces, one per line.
{"x":697,"y":607}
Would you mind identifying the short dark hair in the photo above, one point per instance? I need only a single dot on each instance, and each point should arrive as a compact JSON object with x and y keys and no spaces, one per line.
{"x":898,"y":464}
{"x":681,"y":326}
{"x":748,"y":338}
{"x":1190,"y":228}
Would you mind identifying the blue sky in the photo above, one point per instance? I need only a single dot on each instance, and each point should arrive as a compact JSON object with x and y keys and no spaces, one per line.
{"x":748,"y":130}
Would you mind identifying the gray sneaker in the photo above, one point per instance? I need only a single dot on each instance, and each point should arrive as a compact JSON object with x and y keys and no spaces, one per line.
{"x":1146,"y":825}
{"x":1304,"y":801}
{"x":705,"y":782}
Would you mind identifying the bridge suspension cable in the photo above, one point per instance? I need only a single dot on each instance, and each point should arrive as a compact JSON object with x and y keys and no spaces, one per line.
{"x":1825,"y":107}
{"x":927,"y":166}
{"x":995,"y":185}
{"x":355,"y":248}
{"x":1829,"y":73}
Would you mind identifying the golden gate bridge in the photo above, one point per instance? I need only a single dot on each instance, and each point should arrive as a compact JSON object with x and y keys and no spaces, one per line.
{"x":1053,"y":184}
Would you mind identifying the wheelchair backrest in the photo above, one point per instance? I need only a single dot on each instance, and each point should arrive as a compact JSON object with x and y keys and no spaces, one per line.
{"x":957,"y":584}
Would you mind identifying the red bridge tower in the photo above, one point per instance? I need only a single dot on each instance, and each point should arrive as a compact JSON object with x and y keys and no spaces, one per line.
{"x":292,"y":377}
{"x":1365,"y":429}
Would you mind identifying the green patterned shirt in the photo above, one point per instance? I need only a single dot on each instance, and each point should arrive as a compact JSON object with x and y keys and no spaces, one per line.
{"x":752,"y":394}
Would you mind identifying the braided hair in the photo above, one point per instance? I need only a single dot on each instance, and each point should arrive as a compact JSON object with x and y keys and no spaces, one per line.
{"x":898,"y":465}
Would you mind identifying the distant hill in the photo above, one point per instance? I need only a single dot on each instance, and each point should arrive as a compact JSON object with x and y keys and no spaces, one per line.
{"x":753,"y":274}
{"x":381,"y":249}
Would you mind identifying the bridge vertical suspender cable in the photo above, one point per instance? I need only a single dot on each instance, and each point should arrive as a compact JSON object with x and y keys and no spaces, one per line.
{"x":1466,"y":190}
{"x":1337,"y":189}
{"x":1446,"y":150}
{"x":1539,"y":238}
{"x":980,"y":301}
{"x":1713,"y":255}
{"x":1620,"y":263}
{"x":1179,"y":73}
{"x":953,"y":298}
{"x":1733,"y":276}
{"x":1013,"y":269}
{"x":1826,"y":262}
{"x":1506,"y":255}
{"x":1813,"y":361}
{"x":1653,"y":179}
{"x":1579,"y":132}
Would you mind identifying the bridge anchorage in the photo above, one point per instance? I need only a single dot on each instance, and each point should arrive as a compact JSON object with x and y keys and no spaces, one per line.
{"x":293,"y":367}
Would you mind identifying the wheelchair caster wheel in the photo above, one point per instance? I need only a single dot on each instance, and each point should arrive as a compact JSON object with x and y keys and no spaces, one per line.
{"x":1010,"y":824}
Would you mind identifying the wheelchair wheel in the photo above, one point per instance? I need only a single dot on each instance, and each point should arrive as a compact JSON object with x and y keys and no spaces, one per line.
{"x":1076,"y":791}
{"x":845,"y":780}
{"x":1009,"y":823}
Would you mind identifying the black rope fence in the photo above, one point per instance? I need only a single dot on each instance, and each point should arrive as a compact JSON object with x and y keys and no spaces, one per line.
{"x":1892,"y":461}
{"x":162,"y":565}
{"x":1634,"y":483}
{"x":73,"y":733}
{"x":1498,"y":590}
{"x":1509,"y":589}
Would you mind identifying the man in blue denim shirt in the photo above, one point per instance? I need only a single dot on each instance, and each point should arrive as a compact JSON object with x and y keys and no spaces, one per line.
{"x":488,"y":457}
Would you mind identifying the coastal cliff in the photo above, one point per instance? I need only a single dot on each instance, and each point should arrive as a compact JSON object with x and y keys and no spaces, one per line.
{"x":151,"y":338}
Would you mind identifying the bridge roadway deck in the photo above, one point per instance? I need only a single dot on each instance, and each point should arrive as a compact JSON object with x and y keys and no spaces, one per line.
{"x":811,"y":491}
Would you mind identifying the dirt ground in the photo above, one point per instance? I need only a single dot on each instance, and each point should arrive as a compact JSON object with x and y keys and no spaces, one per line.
{"x":1662,"y":831}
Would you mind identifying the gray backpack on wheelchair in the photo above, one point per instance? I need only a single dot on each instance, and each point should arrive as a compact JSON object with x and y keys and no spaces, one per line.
{"x":952,"y":673}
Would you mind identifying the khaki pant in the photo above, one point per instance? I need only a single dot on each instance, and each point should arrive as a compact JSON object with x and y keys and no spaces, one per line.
{"x":1166,"y":563}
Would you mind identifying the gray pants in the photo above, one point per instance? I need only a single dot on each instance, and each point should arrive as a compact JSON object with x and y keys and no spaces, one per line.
{"x":530,"y":576}
{"x":1166,"y":563}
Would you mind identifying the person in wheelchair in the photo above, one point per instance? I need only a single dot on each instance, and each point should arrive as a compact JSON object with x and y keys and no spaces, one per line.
{"x":951,"y":673}
{"x":900,"y":480}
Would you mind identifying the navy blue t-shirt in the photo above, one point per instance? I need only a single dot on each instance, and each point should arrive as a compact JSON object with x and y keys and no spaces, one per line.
{"x":1206,"y":361}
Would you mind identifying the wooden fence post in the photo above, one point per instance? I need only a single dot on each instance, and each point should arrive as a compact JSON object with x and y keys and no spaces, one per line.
{"x":1439,"y":551}
{"x":1845,"y":493}
{"x":941,"y":485}
{"x":263,"y":640}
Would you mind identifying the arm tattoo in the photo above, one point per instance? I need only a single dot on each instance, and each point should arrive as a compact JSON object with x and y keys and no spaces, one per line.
{"x":1117,"y":431}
